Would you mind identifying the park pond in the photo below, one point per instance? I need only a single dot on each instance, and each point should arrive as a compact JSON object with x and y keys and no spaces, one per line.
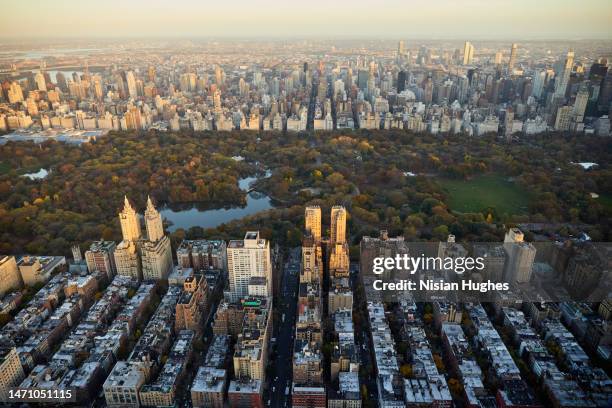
{"x":192,"y":216}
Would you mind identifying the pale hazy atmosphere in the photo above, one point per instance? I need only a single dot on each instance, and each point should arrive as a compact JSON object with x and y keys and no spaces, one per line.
{"x":446,"y":19}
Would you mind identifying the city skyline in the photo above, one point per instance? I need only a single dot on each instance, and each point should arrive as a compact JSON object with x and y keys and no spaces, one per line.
{"x":475,"y":19}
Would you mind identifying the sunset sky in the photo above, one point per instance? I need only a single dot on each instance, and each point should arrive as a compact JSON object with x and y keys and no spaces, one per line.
{"x":445,"y":19}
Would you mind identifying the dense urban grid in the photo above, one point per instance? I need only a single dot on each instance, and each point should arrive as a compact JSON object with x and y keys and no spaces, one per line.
{"x":284,"y":313}
{"x":514,"y":90}
{"x":236,"y":323}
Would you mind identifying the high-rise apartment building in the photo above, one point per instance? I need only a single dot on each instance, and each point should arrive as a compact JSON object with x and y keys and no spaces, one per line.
{"x":10,"y":277}
{"x":520,"y":257}
{"x":362,"y":79}
{"x":512,"y":60}
{"x":562,"y":79}
{"x":41,"y":83}
{"x":468,"y":53}
{"x":563,"y":119}
{"x":127,"y":259}
{"x":11,"y":371}
{"x":338,"y":225}
{"x":202,"y":254}
{"x":338,"y":247}
{"x":401,"y":47}
{"x":153,"y":222}
{"x":339,"y":260}
{"x":311,"y":260}
{"x":246,"y":259}
{"x":605,"y":94}
{"x":251,"y":352}
{"x":312,"y":221}
{"x":192,"y":305}
{"x":580,"y":104}
{"x":131,"y":84}
{"x":498,"y":58}
{"x":101,"y":257}
{"x":402,"y":77}
{"x":156,"y":259}
{"x":156,"y":253}
{"x":383,"y":245}
{"x":539,"y":80}
{"x":130,"y":222}
{"x":14,"y":93}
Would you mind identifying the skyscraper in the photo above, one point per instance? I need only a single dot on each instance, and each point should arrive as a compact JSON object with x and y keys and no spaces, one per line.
{"x":60,"y":78}
{"x":153,"y":222}
{"x":539,"y":79}
{"x":401,"y":52}
{"x":312,"y":221}
{"x":131,"y":84}
{"x":468,"y":53}
{"x":401,"y":48}
{"x":156,"y":252}
{"x":338,"y":225}
{"x":126,"y":256}
{"x":498,"y":58}
{"x":14,"y":93}
{"x":97,"y":85}
{"x":130,"y":223}
{"x":512,"y":59}
{"x":218,"y":75}
{"x":563,"y":118}
{"x":520,"y":257}
{"x":217,"y":102}
{"x":362,"y":79}
{"x":401,"y":81}
{"x":563,"y":77}
{"x":605,"y":95}
{"x":151,"y":73}
{"x":41,"y":84}
{"x":580,"y":104}
{"x":247,"y":259}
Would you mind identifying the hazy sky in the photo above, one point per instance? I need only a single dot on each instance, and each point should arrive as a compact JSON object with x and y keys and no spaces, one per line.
{"x":448,"y":19}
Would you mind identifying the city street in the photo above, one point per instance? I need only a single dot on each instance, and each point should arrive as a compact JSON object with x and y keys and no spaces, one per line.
{"x":362,"y":338}
{"x":284,"y":332}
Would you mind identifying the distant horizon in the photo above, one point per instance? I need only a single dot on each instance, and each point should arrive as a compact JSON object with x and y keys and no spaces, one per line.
{"x":441,"y":19}
{"x":9,"y":39}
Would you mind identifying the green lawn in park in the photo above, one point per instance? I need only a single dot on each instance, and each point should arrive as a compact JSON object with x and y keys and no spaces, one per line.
{"x":486,"y":191}
{"x":4,"y":168}
{"x":605,"y":200}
